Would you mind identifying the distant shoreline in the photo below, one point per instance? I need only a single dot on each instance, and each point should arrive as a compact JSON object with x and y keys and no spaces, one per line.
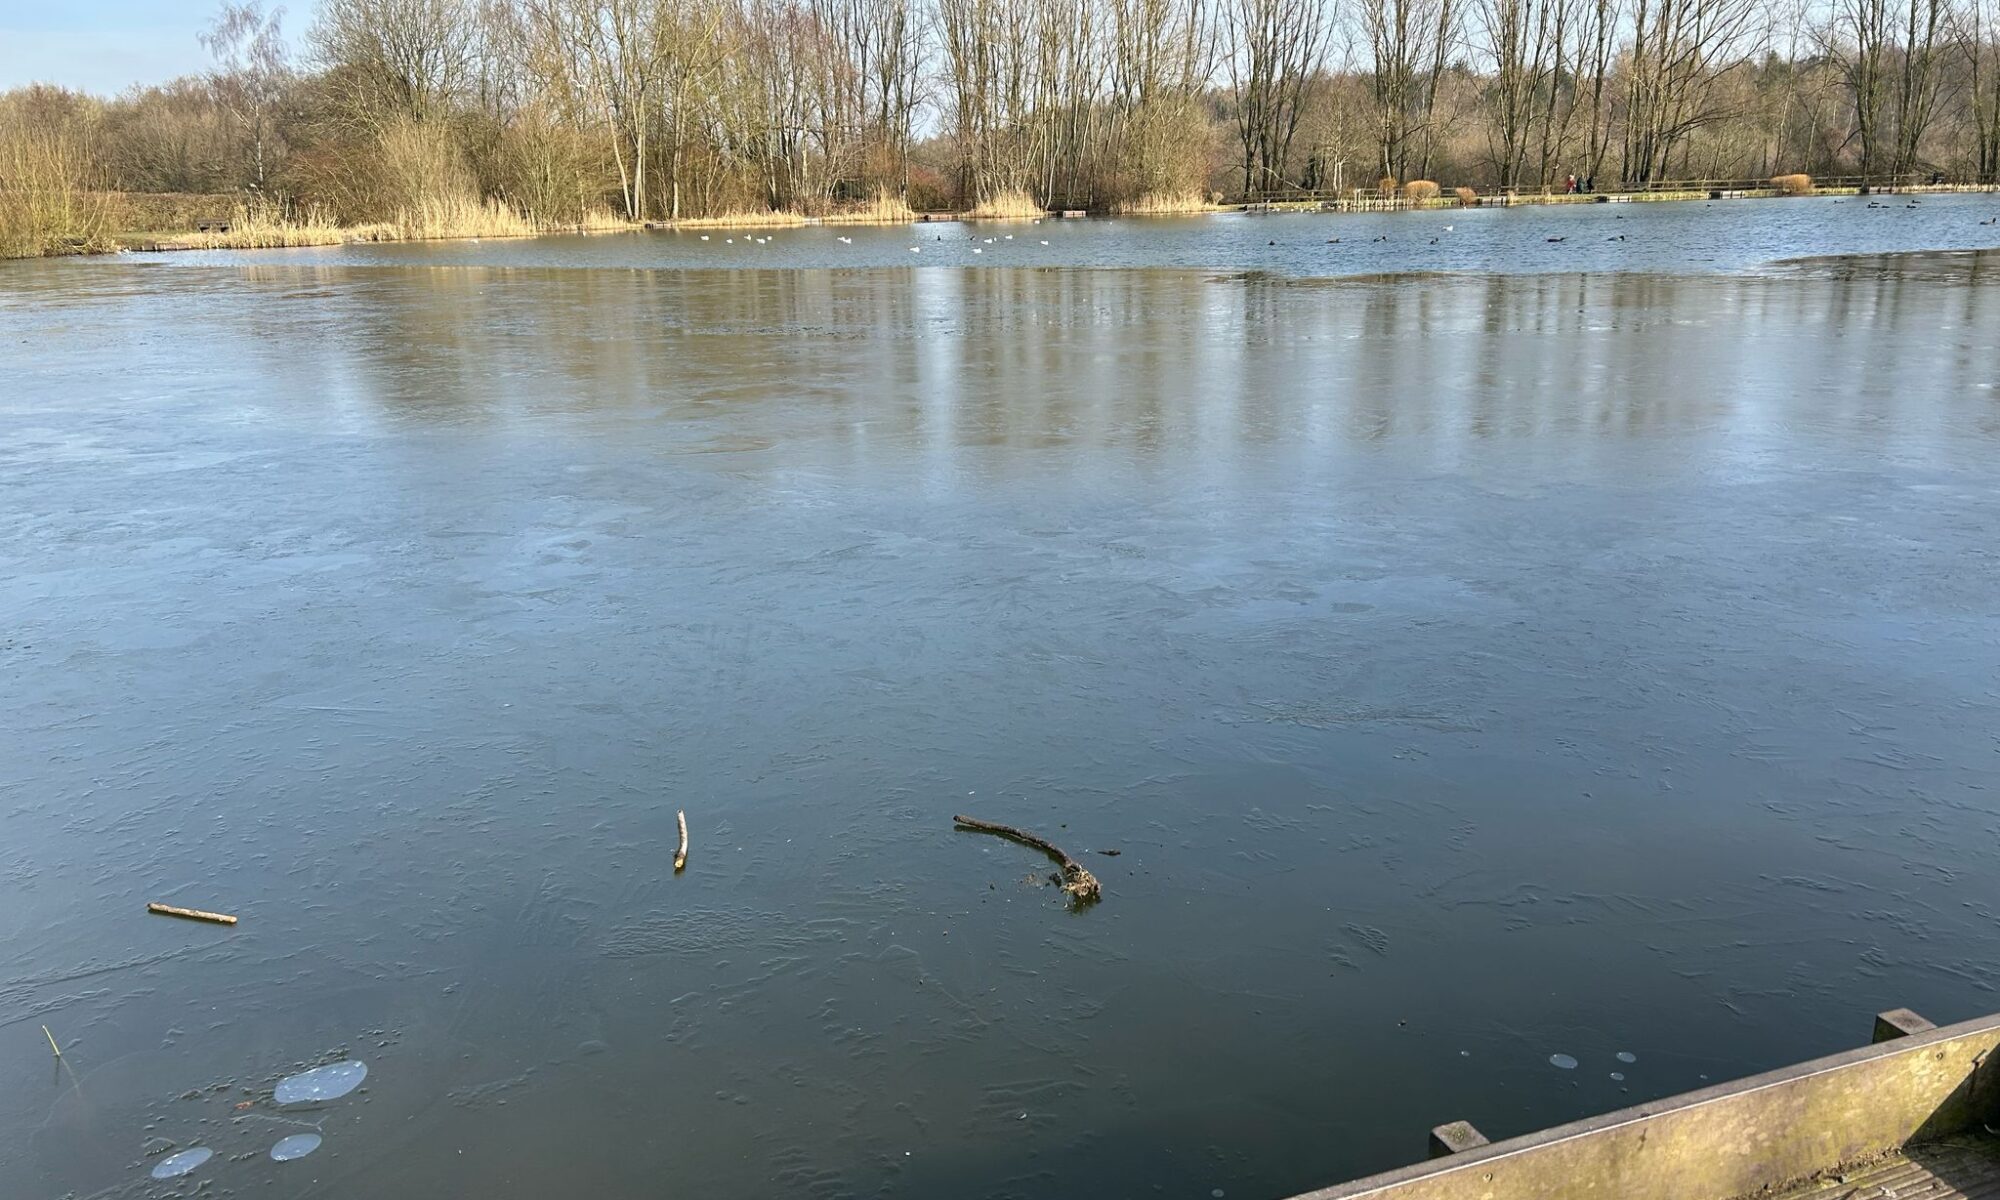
{"x":778,"y":220}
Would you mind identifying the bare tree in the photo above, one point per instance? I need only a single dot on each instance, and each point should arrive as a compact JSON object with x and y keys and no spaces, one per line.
{"x":1679,"y":50}
{"x":1888,"y":53}
{"x":252,"y":67}
{"x":1411,"y":43}
{"x":1522,"y":41}
{"x":405,"y":57}
{"x":1979,"y":43}
{"x":1271,"y":50}
{"x":1162,"y":58}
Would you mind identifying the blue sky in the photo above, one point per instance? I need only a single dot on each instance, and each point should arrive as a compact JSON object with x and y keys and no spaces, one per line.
{"x":106,"y":45}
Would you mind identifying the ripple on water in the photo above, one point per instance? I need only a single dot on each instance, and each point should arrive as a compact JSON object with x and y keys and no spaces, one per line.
{"x":1562,"y":1062}
{"x":329,"y":1082}
{"x":1626,"y":1056}
{"x":174,"y":1166}
{"x":296,"y":1146}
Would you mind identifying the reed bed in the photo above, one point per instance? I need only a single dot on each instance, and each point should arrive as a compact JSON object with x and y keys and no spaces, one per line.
{"x":261,"y":226}
{"x":884,"y":208}
{"x":460,"y":215}
{"x":1161,"y":204}
{"x":763,"y":218}
{"x":1793,"y":185}
{"x":1012,"y":205}
{"x":602,"y":220}
{"x":1420,"y":189}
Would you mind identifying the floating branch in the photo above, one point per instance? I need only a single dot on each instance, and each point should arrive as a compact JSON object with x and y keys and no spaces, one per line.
{"x":52,"y":1041}
{"x":681,"y":855}
{"x":1081,"y":885}
{"x":192,"y":914}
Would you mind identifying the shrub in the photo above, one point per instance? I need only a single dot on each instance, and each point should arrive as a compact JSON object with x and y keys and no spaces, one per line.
{"x":1420,"y":189}
{"x":1793,"y":185}
{"x":47,"y":173}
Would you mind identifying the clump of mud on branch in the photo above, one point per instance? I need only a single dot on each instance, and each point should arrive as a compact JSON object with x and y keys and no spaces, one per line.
{"x":1081,"y":885}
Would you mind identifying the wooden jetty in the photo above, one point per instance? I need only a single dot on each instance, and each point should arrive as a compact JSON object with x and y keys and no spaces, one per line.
{"x":1910,"y":1117}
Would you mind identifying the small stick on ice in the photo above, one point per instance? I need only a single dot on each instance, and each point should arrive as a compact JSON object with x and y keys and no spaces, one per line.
{"x":1081,"y":885}
{"x":192,"y":914}
{"x":52,"y":1041}
{"x":681,"y":855}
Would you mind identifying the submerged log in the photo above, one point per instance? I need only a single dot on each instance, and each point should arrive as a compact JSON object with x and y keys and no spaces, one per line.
{"x":1081,"y":885}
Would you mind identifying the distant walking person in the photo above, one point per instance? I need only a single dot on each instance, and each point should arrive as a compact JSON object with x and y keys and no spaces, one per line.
{"x":1569,"y":185}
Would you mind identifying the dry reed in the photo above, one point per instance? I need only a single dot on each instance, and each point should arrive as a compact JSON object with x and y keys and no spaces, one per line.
{"x":1793,"y":185}
{"x":1155,"y":204}
{"x":885,"y":208}
{"x":261,"y":225}
{"x":460,"y":215}
{"x":601,"y":220}
{"x":1466,"y":196}
{"x":1420,"y":189}
{"x":1011,"y":205}
{"x":754,"y":219}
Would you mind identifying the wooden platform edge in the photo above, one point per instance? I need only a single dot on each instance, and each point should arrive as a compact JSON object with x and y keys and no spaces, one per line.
{"x":1731,"y":1139}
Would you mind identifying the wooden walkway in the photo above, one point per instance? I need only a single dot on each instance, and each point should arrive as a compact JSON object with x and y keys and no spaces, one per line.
{"x":1966,"y":1167}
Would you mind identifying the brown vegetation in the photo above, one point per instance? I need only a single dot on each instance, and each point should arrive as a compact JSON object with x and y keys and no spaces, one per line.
{"x":1015,"y":204}
{"x":1160,"y":204}
{"x":1793,"y":185}
{"x":1420,"y":189}
{"x":46,"y":203}
{"x":1467,"y":197}
{"x":264,"y":226}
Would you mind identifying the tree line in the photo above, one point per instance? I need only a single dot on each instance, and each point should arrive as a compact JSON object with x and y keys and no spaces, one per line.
{"x":664,"y":109}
